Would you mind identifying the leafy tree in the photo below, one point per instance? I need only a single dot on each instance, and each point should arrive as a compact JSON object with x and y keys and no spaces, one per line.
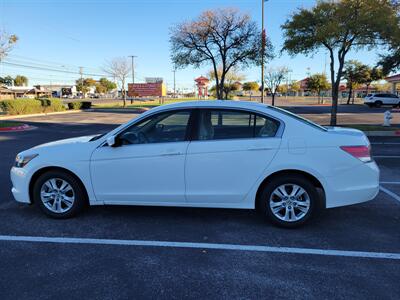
{"x":119,"y":68}
{"x":318,"y":83}
{"x":224,"y":38}
{"x":231,"y":79}
{"x":294,"y":86}
{"x":20,"y":80}
{"x":273,"y":79}
{"x":355,"y":74}
{"x":104,"y":85}
{"x":374,"y":74}
{"x":83,"y":85}
{"x":339,"y":26}
{"x":251,"y":86}
{"x":7,"y":42}
{"x":391,"y":60}
{"x":7,"y":80}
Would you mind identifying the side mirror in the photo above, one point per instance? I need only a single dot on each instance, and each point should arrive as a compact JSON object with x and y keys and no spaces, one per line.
{"x":111,"y":141}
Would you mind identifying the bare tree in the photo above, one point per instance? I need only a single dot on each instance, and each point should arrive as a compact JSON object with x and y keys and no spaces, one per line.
{"x":7,"y":42}
{"x":119,"y":68}
{"x":273,"y":79}
{"x":226,"y":38}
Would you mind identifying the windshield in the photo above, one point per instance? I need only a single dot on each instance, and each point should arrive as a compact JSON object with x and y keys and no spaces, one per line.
{"x":297,"y":117}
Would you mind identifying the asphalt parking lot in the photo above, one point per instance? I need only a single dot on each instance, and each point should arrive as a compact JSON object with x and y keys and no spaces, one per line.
{"x":154,"y":252}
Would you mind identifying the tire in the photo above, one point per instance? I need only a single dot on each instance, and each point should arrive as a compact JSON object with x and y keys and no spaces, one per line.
{"x":50,"y":188}
{"x":268,"y":199}
{"x":378,"y":104}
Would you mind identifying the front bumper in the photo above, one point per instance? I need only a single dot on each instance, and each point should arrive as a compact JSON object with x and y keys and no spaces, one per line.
{"x":20,"y":182}
{"x":357,"y":185}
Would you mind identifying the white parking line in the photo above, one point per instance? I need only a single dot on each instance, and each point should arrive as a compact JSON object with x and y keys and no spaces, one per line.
{"x":142,"y":243}
{"x":390,"y":193}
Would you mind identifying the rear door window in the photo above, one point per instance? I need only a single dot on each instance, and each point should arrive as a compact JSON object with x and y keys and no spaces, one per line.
{"x":218,"y":124}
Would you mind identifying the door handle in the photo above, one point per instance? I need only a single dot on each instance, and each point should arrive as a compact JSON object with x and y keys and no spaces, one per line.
{"x":258,"y":148}
{"x":171,"y":153}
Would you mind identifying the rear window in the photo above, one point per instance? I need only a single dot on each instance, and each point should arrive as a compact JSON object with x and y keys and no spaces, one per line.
{"x":298,"y":118}
{"x":217,"y":124}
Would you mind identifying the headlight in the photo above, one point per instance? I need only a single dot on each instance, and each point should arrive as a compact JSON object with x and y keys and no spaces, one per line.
{"x":22,"y":160}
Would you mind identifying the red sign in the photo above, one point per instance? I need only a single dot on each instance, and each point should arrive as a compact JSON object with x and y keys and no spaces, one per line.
{"x":145,"y":90}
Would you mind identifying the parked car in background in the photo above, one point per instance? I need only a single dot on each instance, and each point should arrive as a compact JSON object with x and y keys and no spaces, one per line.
{"x":226,"y":154}
{"x":379,"y":99}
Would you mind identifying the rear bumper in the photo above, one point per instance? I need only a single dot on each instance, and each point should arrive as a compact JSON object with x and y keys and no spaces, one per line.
{"x":357,"y":185}
{"x":20,"y":182}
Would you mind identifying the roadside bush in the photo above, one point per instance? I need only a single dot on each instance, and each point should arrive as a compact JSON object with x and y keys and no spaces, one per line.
{"x":52,"y":104}
{"x":86,"y":104}
{"x":21,"y":106}
{"x":80,"y":105}
{"x":74,"y":105}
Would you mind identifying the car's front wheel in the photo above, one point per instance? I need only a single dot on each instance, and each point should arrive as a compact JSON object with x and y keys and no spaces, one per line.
{"x":59,"y":194}
{"x":289,"y":201}
{"x":378,"y":104}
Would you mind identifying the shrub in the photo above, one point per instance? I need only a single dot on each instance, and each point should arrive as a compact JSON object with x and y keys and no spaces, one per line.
{"x":52,"y":104}
{"x":86,"y":105}
{"x":74,"y":105}
{"x":80,"y":105}
{"x":21,"y":106}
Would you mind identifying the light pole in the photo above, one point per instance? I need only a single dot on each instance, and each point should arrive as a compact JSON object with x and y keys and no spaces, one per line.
{"x":263,"y":40}
{"x":174,"y":70}
{"x":133,"y":67}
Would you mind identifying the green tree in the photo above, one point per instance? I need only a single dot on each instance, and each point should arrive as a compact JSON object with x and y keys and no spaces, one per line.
{"x":339,"y":26}
{"x":83,"y":85}
{"x":231,"y":79}
{"x":250,"y":87}
{"x":224,"y":38}
{"x":390,"y":61}
{"x":355,"y":74}
{"x":318,"y":83}
{"x":7,"y":80}
{"x":104,"y":85}
{"x":20,"y":80}
{"x":374,"y":74}
{"x":294,"y":86}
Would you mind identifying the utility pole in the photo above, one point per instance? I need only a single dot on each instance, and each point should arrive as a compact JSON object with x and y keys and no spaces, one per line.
{"x":81,"y":72}
{"x":263,"y":40}
{"x":174,"y":70}
{"x":133,"y":67}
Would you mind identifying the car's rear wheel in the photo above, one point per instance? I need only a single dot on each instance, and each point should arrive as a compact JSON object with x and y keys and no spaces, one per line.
{"x":378,"y":104}
{"x":59,"y":194}
{"x":289,"y":201}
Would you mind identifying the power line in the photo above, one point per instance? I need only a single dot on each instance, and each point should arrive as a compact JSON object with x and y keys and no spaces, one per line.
{"x":49,"y":63}
{"x":51,"y":69}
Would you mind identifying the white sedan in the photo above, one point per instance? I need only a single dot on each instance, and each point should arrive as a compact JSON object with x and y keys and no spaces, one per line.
{"x":224,"y":154}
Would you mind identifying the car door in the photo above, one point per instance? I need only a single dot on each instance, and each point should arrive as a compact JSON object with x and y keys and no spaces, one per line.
{"x":148,"y":165}
{"x":230,"y":151}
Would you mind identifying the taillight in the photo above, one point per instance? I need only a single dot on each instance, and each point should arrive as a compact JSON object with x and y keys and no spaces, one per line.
{"x":363,"y":153}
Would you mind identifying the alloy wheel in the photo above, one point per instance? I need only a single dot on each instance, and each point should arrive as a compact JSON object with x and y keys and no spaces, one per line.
{"x":57,"y":195}
{"x":289,"y":202}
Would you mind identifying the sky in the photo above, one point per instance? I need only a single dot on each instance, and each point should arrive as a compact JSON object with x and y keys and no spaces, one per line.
{"x":68,"y":34}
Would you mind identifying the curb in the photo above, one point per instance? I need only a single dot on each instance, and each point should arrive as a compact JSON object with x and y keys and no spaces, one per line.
{"x":395,"y":133}
{"x":43,"y":114}
{"x":23,"y":127}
